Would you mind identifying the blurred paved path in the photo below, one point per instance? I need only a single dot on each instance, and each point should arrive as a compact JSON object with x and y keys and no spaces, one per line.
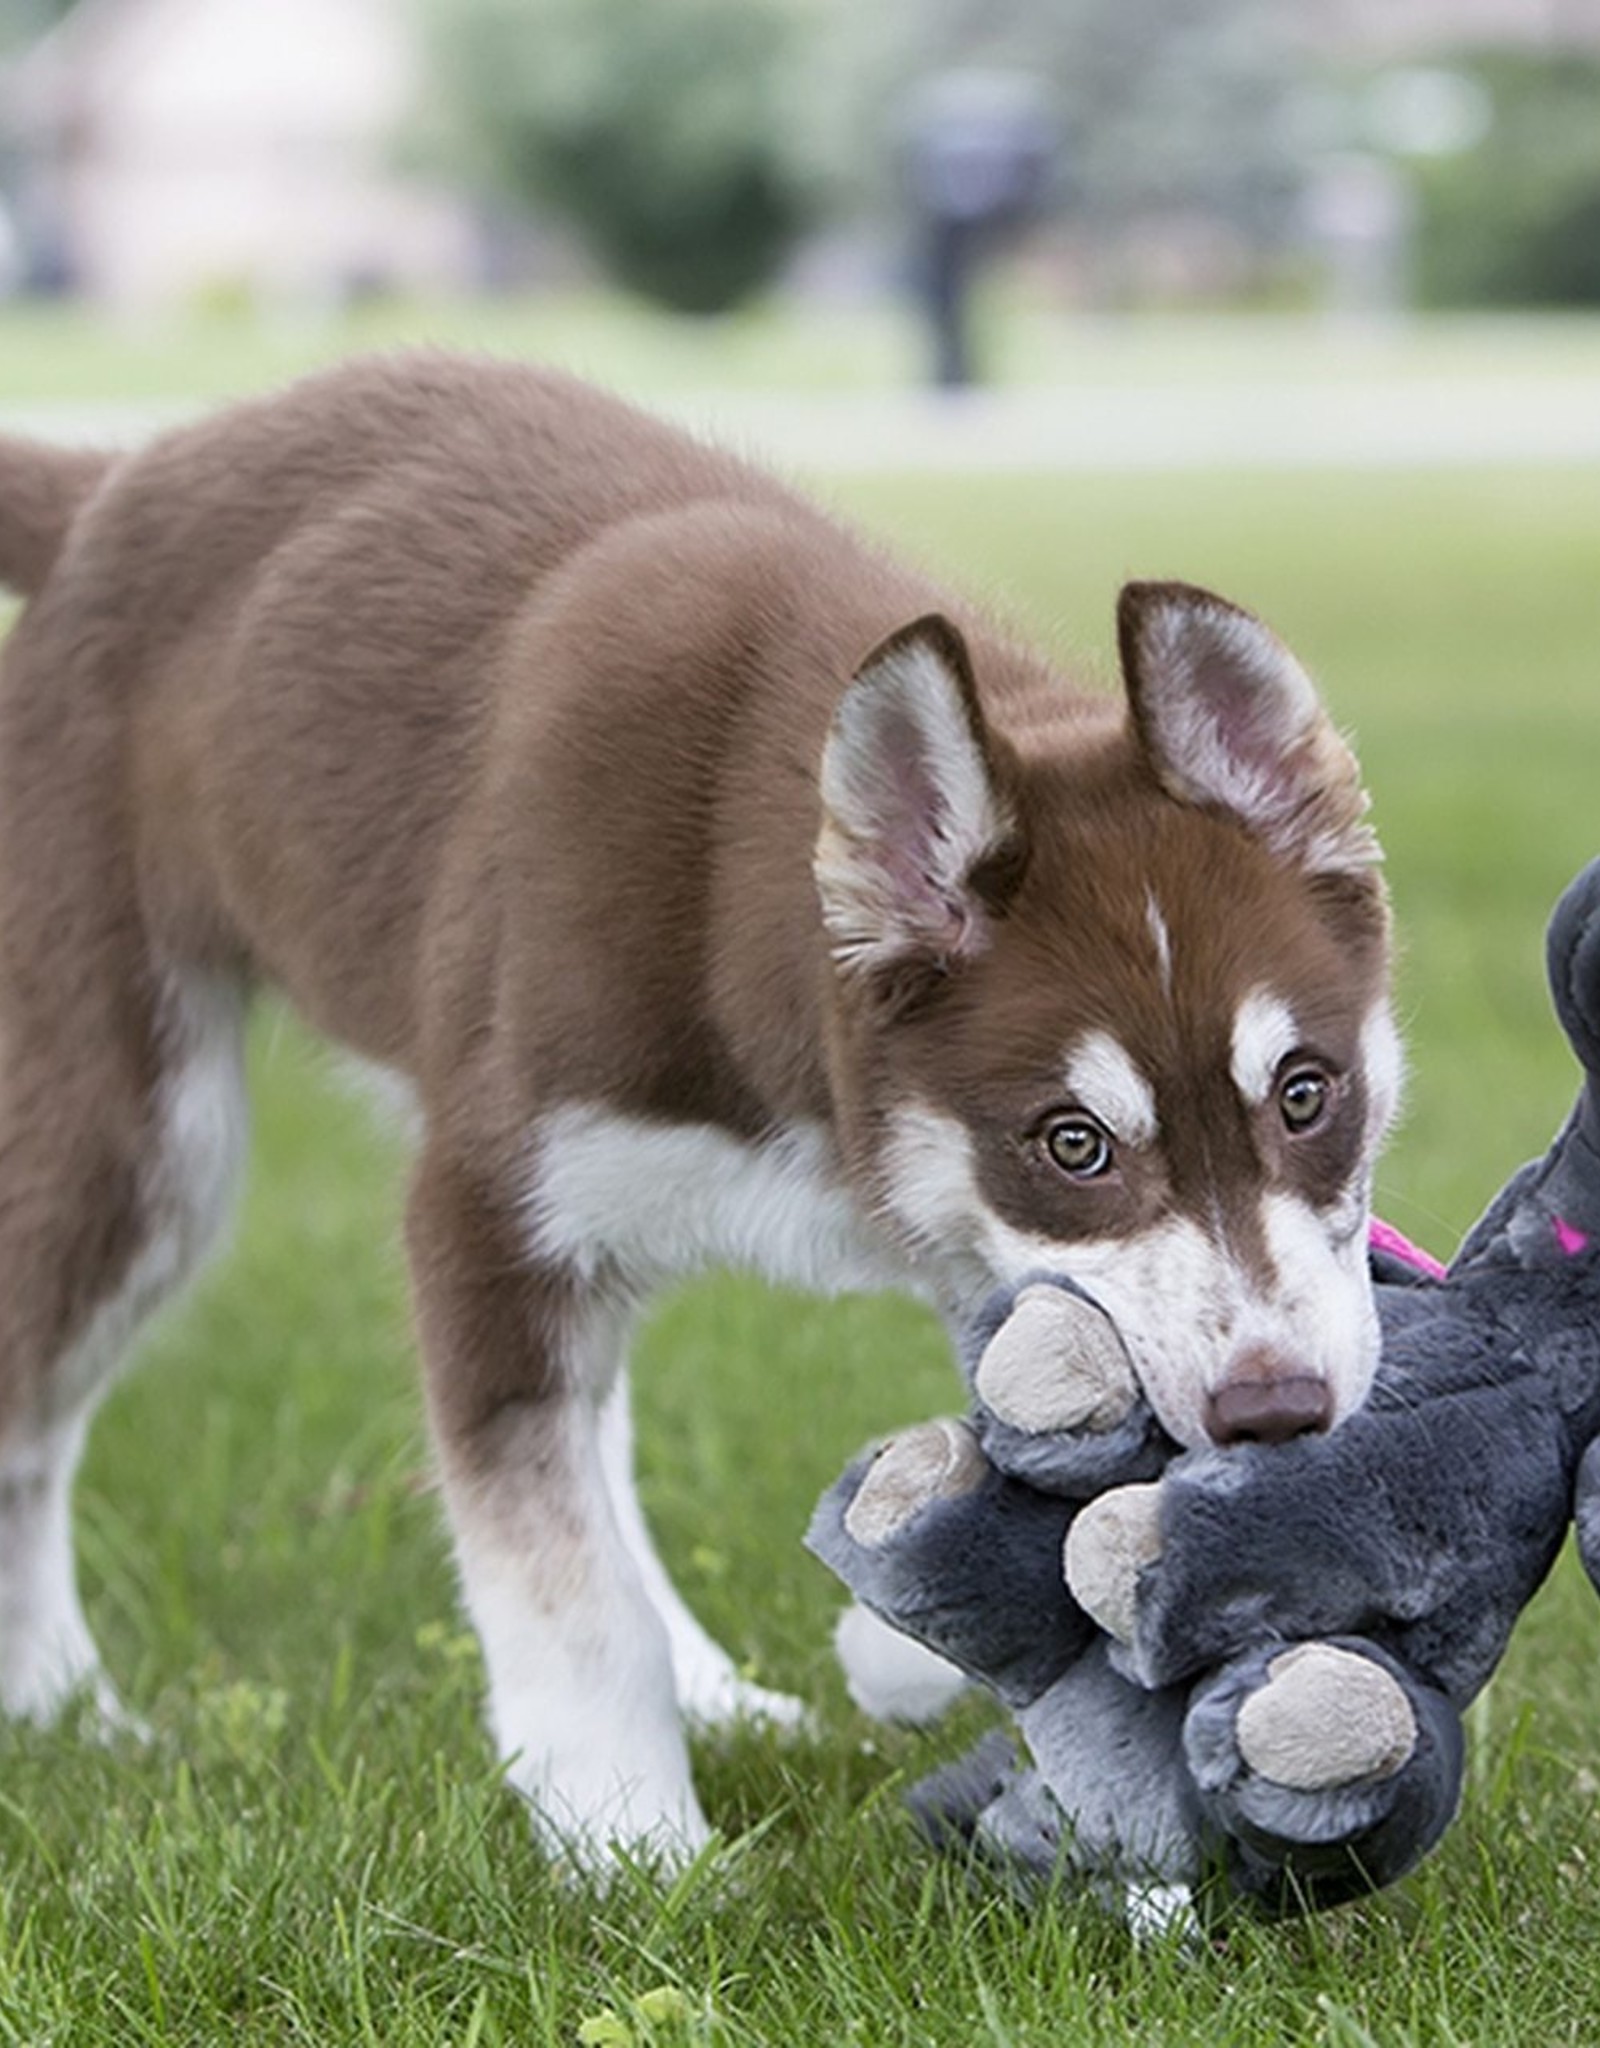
{"x":1345,"y":425}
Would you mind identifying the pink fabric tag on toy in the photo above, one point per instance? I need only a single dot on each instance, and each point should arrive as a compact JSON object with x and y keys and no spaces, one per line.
{"x":1383,"y":1237}
{"x":1571,"y":1239}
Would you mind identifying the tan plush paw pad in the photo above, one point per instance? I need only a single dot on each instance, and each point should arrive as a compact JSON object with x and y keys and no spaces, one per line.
{"x":1108,"y":1546}
{"x":1326,"y":1717}
{"x":1056,"y":1363}
{"x":933,"y":1460}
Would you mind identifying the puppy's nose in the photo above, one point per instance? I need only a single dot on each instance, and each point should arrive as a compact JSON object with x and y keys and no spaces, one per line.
{"x":1268,"y":1410}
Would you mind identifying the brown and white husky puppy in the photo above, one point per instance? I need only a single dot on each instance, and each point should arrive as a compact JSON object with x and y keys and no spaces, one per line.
{"x":721,"y":891}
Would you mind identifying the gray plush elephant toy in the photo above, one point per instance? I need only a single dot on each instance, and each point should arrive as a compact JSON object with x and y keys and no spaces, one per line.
{"x":1243,"y":1669}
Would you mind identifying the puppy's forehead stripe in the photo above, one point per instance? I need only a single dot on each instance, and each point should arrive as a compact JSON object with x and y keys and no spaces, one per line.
{"x":1161,"y":938}
{"x":1264,"y":1034}
{"x":1103,"y":1078}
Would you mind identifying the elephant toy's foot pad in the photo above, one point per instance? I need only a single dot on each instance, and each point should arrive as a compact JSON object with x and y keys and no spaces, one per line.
{"x":1108,"y":1546}
{"x":1056,"y":1363}
{"x":934,"y":1461}
{"x":1326,"y":1717}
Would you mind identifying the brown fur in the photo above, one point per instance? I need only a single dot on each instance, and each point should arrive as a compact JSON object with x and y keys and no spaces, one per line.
{"x":45,"y":491}
{"x":481,"y":716}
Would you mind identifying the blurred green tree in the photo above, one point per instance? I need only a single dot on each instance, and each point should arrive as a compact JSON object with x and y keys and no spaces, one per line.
{"x":655,"y":128}
{"x":1515,"y":220}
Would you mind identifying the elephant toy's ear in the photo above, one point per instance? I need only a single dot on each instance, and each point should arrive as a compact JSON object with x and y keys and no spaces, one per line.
{"x":1586,"y":1513}
{"x":1553,"y":1204}
{"x":1572,"y":953}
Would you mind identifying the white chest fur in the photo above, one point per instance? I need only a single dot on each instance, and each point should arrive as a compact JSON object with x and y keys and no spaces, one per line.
{"x":654,"y":1200}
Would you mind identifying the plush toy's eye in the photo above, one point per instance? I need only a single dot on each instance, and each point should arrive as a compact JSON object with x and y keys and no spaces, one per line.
{"x":1303,"y":1097}
{"x":1079,"y":1146}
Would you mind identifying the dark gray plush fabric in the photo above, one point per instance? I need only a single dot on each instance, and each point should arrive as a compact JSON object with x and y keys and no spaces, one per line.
{"x":979,"y":1580}
{"x":1287,"y":1851}
{"x":1425,"y":1523}
{"x":1133,"y":1813}
{"x":1413,"y":1535}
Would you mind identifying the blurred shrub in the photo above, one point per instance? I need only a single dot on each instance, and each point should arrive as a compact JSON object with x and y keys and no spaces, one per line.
{"x":1515,"y":220}
{"x":654,"y":128}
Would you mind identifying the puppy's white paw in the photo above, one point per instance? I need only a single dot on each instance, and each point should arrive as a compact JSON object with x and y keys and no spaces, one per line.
{"x":891,"y":1677}
{"x":591,"y":1824}
{"x":1056,"y":1363}
{"x":722,"y":1698}
{"x":1326,"y":1717}
{"x":937,"y":1460}
{"x":106,"y":1719}
{"x":1107,"y":1547}
{"x":51,"y":1692}
{"x":1161,"y":1912}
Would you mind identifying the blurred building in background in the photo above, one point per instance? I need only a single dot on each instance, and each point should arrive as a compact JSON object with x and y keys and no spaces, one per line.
{"x":1404,"y":27}
{"x":165,"y":150}
{"x":1368,"y":154}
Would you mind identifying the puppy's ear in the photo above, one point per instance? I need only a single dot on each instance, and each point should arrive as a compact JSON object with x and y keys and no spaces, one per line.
{"x":1227,"y":717}
{"x":918,"y":846}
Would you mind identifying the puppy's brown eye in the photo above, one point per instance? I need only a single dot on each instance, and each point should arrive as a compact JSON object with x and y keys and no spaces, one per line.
{"x":1079,"y":1147}
{"x":1303,"y":1099}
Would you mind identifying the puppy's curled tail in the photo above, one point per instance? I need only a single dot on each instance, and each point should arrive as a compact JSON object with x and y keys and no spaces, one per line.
{"x":41,"y":489}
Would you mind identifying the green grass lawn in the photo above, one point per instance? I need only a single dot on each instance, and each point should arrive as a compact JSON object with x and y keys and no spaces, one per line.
{"x":58,"y":354}
{"x":313,"y":1847}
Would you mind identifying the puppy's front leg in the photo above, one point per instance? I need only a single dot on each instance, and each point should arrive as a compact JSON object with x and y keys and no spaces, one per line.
{"x":581,"y":1699}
